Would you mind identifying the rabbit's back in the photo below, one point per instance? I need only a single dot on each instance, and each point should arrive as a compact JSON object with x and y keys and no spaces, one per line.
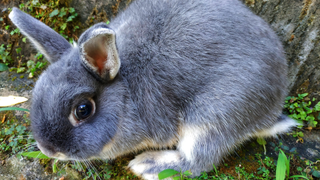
{"x":174,"y":51}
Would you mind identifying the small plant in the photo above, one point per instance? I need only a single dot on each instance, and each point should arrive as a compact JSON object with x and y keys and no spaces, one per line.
{"x":34,"y":66}
{"x":283,"y":168}
{"x":52,"y":13}
{"x":5,"y":53}
{"x":58,"y":18}
{"x":266,"y":166}
{"x":171,"y":172}
{"x":14,"y":136}
{"x":262,"y":142}
{"x":299,"y":109}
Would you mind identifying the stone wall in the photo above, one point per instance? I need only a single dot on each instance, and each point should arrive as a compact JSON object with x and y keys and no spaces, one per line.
{"x":297,"y":23}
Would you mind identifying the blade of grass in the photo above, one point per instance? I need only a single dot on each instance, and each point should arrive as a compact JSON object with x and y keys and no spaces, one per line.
{"x":167,"y":173}
{"x":298,"y":176}
{"x":281,"y":166}
{"x":14,"y":109}
{"x":35,"y":154}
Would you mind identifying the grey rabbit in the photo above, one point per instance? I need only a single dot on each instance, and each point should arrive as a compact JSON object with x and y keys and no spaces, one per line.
{"x":193,"y":79}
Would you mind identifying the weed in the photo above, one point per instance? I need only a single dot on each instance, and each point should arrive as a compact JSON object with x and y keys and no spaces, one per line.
{"x":171,"y":172}
{"x":299,"y":109}
{"x":14,"y":136}
{"x":51,"y":12}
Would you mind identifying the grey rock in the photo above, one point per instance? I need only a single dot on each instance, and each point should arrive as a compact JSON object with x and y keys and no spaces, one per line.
{"x":102,"y":10}
{"x":297,"y":24}
{"x":15,"y":168}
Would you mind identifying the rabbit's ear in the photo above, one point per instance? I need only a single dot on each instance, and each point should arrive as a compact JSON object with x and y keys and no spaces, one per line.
{"x":99,"y":52}
{"x":46,"y":40}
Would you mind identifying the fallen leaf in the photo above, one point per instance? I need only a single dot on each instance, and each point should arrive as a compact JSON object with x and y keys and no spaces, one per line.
{"x":309,"y":128}
{"x":299,"y":140}
{"x":11,"y":100}
{"x":3,"y":119}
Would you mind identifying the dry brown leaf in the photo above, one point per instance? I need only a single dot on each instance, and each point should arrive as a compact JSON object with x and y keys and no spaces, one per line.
{"x":3,"y":119}
{"x":299,"y":140}
{"x":309,"y":128}
{"x":11,"y":100}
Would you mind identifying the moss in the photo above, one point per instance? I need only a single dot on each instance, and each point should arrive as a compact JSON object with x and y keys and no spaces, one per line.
{"x":305,"y":9}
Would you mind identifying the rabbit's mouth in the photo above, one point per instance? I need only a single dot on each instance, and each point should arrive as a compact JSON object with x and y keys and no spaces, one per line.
{"x":50,"y":152}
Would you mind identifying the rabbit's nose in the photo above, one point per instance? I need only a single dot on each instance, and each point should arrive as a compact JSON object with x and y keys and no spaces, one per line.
{"x":49,"y":151}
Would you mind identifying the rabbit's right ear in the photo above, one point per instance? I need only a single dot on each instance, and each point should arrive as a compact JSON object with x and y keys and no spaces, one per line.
{"x":46,"y":40}
{"x":99,"y":52}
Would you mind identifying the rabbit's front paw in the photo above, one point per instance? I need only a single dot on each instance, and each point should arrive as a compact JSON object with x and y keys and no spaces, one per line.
{"x":148,"y":164}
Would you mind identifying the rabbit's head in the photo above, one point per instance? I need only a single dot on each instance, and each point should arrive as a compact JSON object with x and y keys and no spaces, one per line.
{"x":78,"y":99}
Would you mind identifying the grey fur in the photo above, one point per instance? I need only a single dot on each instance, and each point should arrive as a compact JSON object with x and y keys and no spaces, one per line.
{"x":204,"y":75}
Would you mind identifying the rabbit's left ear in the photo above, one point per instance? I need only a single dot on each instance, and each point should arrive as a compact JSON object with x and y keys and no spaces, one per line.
{"x":99,"y":52}
{"x":47,"y":41}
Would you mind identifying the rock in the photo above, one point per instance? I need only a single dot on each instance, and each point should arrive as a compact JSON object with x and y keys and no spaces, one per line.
{"x":93,"y":11}
{"x":13,"y":84}
{"x":297,"y":24}
{"x":22,"y":169}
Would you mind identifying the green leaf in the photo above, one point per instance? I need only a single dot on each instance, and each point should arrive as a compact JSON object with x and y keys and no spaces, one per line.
{"x":30,"y":64}
{"x":286,"y":148}
{"x":293,"y":149}
{"x":261,"y":141}
{"x":299,"y":176}
{"x":317,"y":106}
{"x":35,"y":154}
{"x":3,"y":67}
{"x":70,"y":18}
{"x":281,"y":166}
{"x":316,"y":174}
{"x":314,"y":123}
{"x":167,"y":173}
{"x":13,"y":109}
{"x":21,"y":6}
{"x":54,"y":166}
{"x":62,"y":12}
{"x":54,"y":13}
{"x":187,"y":173}
{"x":64,"y":25}
{"x":18,"y":50}
{"x":304,"y":94}
{"x":24,"y":39}
{"x":71,"y":10}
{"x":21,"y":69}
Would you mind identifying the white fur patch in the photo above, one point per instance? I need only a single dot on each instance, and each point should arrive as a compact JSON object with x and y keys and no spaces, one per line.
{"x":143,"y":162}
{"x":278,"y":128}
{"x":190,"y":135}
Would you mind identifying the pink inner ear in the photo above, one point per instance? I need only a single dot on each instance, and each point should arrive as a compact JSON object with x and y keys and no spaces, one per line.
{"x":96,"y":53}
{"x":99,"y":61}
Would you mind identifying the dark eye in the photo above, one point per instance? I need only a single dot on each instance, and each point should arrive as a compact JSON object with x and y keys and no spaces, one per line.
{"x":83,"y":110}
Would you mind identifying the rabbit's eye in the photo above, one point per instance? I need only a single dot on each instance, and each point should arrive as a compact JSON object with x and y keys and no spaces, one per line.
{"x":82,"y":111}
